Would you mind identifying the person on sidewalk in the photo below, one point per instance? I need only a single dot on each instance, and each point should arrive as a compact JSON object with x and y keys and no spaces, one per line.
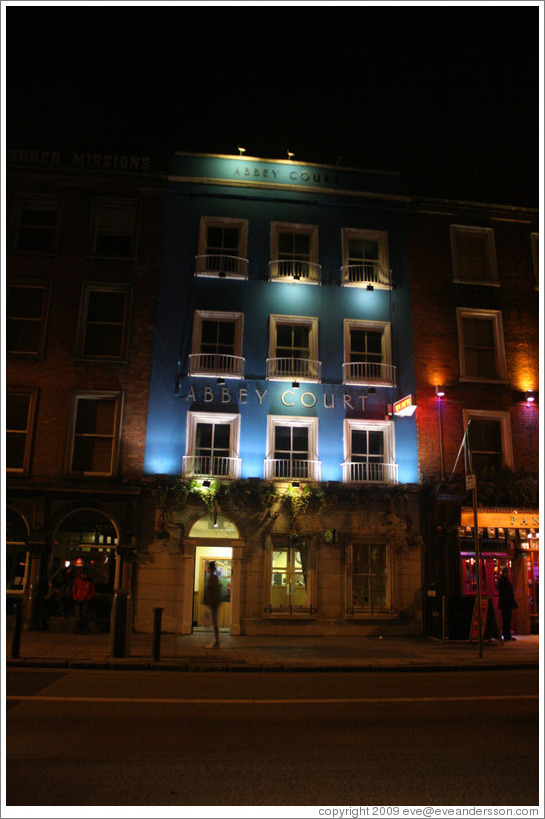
{"x":212,"y":597}
{"x":83,"y":592}
{"x":506,"y":602}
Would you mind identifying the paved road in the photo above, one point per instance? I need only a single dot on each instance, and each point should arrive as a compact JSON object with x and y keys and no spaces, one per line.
{"x":148,"y":738}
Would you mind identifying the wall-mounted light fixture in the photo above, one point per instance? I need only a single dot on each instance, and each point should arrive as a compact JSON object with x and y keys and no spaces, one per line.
{"x":440,"y":392}
{"x":372,"y":390}
{"x":297,"y":275}
{"x":241,"y":150}
{"x":295,"y":385}
{"x":530,"y":397}
{"x":295,"y":484}
{"x":290,"y":154}
{"x":370,"y":287}
{"x":206,"y":484}
{"x":220,"y":380}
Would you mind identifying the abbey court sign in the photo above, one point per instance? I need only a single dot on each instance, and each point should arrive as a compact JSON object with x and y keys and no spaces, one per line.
{"x":289,"y":398}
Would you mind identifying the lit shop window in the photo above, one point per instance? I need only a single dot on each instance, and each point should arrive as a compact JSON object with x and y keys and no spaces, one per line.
{"x":113,"y":228}
{"x":292,"y":447}
{"x":103,"y":326}
{"x":490,"y":443}
{"x":369,"y":452}
{"x":20,"y":418}
{"x":26,"y":318}
{"x":294,"y":253}
{"x":365,"y":259}
{"x":37,"y":221}
{"x":473,"y":254}
{"x":482,"y":354}
{"x":94,"y":442}
{"x":367,"y":353}
{"x":212,"y":445}
{"x":217,"y":345}
{"x":369,"y":578}
{"x":291,"y":579}
{"x":293,"y":349}
{"x":222,"y":248}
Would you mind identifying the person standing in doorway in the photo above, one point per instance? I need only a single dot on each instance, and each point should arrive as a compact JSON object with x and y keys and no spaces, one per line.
{"x":506,"y":602}
{"x":83,"y":592}
{"x":212,"y":596}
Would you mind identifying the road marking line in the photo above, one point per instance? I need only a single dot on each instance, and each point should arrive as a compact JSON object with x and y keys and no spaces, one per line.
{"x":278,"y":701}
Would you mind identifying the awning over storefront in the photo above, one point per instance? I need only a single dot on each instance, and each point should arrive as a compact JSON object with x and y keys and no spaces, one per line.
{"x":499,"y":528}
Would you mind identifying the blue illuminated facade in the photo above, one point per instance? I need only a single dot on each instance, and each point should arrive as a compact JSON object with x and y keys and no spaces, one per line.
{"x":360,"y":333}
{"x":283,"y":341}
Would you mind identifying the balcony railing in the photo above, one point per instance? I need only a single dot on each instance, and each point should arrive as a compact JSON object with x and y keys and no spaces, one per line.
{"x":286,"y":469}
{"x":211,"y":466}
{"x":216,"y":364}
{"x":222,"y":265}
{"x":295,"y":270}
{"x":369,"y":472}
{"x":369,"y":372}
{"x":366,"y":273}
{"x":306,"y":369}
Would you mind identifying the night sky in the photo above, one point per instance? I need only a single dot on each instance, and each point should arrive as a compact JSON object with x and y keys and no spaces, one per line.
{"x":448,"y":95}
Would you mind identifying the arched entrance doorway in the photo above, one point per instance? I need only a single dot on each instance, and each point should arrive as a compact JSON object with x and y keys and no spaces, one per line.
{"x":213,"y":542}
{"x":88,"y":539}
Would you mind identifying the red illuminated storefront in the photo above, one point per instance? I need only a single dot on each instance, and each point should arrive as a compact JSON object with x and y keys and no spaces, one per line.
{"x":506,"y":538}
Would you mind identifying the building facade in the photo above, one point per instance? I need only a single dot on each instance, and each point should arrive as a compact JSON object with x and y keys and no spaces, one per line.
{"x":475,"y":283}
{"x":84,"y":233}
{"x":283,"y":341}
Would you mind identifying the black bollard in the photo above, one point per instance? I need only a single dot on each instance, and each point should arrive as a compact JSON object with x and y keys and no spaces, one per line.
{"x":156,"y":649}
{"x":17,"y":629}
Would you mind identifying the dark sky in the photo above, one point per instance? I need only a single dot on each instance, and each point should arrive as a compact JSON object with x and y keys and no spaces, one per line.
{"x":433,"y":91}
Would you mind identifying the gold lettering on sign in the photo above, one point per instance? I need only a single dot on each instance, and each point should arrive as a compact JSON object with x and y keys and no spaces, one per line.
{"x":312,"y":397}
{"x":261,"y":397}
{"x":191,"y":395}
{"x":283,"y":398}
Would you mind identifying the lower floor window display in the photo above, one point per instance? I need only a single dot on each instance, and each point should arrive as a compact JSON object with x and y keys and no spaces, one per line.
{"x":289,"y":578}
{"x":369,"y":578}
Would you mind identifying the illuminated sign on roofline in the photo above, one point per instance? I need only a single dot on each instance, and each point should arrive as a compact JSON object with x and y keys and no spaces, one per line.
{"x":282,"y":174}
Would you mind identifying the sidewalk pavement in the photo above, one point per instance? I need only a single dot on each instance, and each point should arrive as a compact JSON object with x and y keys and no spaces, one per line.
{"x":60,"y":649}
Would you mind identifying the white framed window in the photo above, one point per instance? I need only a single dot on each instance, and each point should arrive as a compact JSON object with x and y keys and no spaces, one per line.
{"x":293,"y":349}
{"x":369,"y":578}
{"x":490,"y":442}
{"x":27,"y":306}
{"x":291,"y":572}
{"x":369,"y":452}
{"x":212,"y":445}
{"x":113,"y":228}
{"x":294,"y":253}
{"x":292,"y":448}
{"x":222,"y":248}
{"x":473,"y":254}
{"x":534,"y":238}
{"x":103,"y":323}
{"x":20,"y":419}
{"x":481,"y":346}
{"x":94,"y":430}
{"x":365,"y":259}
{"x":37,"y":224}
{"x":368,"y":353}
{"x":217,"y":344}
